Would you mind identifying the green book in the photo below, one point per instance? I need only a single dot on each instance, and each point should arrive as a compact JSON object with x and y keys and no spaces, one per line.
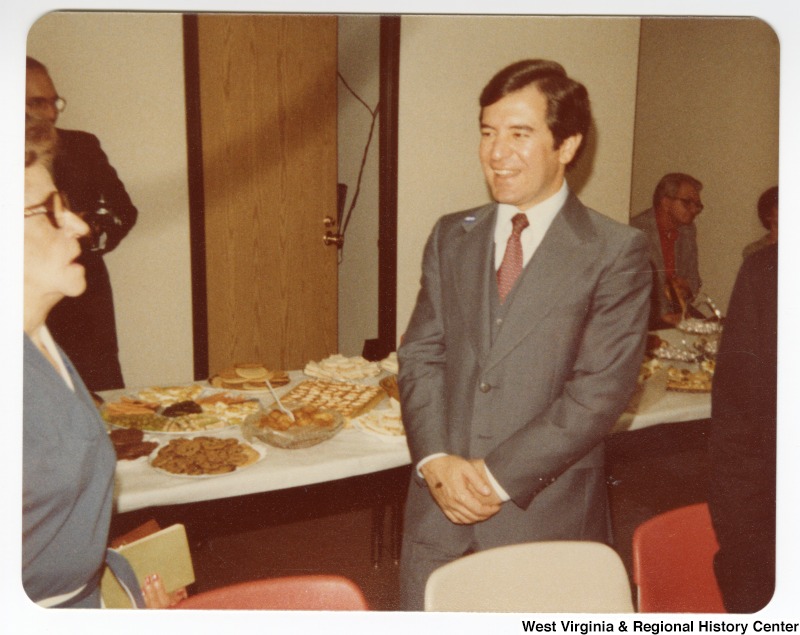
{"x":165,"y":552}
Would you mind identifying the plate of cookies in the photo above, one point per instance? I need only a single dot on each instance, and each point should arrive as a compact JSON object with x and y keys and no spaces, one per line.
{"x":250,"y":376}
{"x":204,"y":456}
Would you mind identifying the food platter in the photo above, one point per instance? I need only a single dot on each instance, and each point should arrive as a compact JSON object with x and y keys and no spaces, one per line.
{"x":248,"y":377}
{"x":698,"y":326}
{"x":312,"y":426}
{"x":349,"y":399}
{"x":341,"y":368}
{"x":204,"y":456}
{"x":684,"y":380}
{"x":130,"y":444}
{"x":384,"y":423}
{"x":170,"y":412}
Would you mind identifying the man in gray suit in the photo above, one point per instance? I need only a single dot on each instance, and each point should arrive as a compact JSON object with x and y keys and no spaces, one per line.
{"x":524,"y":345}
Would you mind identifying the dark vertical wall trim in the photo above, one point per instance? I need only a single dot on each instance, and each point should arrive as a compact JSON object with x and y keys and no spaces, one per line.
{"x":387,"y":225}
{"x":197,"y":232}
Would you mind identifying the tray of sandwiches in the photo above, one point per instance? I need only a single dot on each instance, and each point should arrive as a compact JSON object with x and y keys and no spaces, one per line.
{"x":248,"y":376}
{"x":339,"y":367}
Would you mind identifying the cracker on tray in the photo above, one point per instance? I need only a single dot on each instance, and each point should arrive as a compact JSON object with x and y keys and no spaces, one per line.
{"x":351,"y":400}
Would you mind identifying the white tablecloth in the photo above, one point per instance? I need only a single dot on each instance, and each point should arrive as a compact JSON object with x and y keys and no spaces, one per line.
{"x":354,"y":453}
{"x":653,"y":404}
{"x":351,"y":452}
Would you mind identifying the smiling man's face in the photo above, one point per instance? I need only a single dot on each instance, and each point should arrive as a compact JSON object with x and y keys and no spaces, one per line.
{"x":521,"y":165}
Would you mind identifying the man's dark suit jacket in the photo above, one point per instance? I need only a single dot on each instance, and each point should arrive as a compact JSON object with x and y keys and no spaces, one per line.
{"x":85,"y":326}
{"x":538,"y":399}
{"x":743,"y":437}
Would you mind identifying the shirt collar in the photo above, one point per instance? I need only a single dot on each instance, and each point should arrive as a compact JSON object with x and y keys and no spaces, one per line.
{"x":541,"y":214}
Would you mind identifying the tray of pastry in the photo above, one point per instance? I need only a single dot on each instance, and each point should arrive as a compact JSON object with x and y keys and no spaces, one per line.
{"x":349,"y":399}
{"x":309,"y":426}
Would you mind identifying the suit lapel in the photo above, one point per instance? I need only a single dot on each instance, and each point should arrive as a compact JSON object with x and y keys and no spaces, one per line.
{"x":549,"y":274}
{"x":472,"y":256}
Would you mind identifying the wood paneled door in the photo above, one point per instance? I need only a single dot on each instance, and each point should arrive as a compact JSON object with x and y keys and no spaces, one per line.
{"x":268,"y":123}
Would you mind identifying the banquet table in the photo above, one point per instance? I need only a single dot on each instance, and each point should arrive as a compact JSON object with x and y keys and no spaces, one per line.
{"x":353,"y":452}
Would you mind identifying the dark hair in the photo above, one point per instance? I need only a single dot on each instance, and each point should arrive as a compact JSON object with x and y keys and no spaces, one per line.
{"x":32,"y":64}
{"x":766,"y":202}
{"x":671,"y":183}
{"x":568,"y":109}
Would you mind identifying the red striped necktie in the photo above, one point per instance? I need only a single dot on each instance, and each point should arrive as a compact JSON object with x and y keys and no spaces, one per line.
{"x":511,"y":266}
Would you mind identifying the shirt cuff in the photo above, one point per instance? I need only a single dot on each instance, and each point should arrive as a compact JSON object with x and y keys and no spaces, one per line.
{"x":430,"y":457}
{"x":497,"y":487}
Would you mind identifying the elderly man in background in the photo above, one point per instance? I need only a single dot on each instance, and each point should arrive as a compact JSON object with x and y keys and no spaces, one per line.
{"x":85,"y":326}
{"x":672,"y":234}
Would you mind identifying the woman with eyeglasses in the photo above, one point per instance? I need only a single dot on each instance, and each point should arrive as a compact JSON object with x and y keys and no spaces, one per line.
{"x":68,"y":459}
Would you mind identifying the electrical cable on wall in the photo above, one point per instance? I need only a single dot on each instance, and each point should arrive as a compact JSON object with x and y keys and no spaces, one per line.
{"x":374,"y":113}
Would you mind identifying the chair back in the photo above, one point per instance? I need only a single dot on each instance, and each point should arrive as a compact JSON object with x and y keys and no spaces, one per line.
{"x":673,"y":563}
{"x":299,"y":593}
{"x":543,"y":577}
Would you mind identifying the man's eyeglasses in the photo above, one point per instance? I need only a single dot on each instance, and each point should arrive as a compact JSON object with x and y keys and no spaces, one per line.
{"x":38,"y":104}
{"x":53,"y":207}
{"x":689,"y":202}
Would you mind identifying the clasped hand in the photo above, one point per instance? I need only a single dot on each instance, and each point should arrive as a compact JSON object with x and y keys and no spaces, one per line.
{"x":461,"y":489}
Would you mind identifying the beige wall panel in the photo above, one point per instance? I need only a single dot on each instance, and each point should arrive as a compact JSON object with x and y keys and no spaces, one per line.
{"x":359,"y":62}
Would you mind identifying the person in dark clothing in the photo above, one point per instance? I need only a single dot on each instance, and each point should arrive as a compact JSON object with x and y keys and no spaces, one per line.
{"x":85,"y":326}
{"x":742,"y":443}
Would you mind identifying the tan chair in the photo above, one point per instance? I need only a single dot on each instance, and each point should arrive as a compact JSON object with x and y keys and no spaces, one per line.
{"x":542,"y":577}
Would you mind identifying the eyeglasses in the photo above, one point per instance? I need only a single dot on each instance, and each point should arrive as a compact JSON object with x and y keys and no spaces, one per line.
{"x":38,"y":104}
{"x":689,"y":202}
{"x":54,"y":207}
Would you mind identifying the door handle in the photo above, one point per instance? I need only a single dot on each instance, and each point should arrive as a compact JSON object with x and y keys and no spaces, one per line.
{"x":333,"y":239}
{"x":330,"y":237}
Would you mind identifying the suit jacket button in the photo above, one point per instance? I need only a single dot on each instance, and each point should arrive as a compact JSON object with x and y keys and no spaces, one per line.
{"x":484,"y":387}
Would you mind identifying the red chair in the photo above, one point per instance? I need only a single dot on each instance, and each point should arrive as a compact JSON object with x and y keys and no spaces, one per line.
{"x":299,"y":593}
{"x":673,"y":563}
